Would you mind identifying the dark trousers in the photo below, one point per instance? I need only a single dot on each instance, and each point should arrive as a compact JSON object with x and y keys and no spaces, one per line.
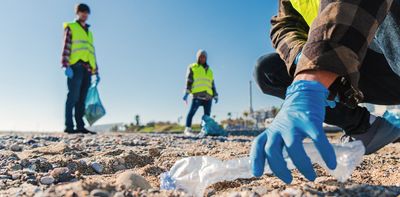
{"x":378,"y":82}
{"x":78,"y":88}
{"x":196,"y":103}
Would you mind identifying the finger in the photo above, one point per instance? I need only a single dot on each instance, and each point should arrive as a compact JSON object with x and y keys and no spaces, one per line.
{"x":257,"y":155}
{"x":300,"y":159}
{"x":276,"y":161}
{"x":323,"y":146}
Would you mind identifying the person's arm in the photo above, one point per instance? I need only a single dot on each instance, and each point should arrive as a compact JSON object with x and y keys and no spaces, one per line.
{"x":337,"y":46}
{"x":66,"y":53}
{"x":214,"y":89}
{"x":289,"y":32}
{"x":189,"y":80}
{"x":96,"y":71}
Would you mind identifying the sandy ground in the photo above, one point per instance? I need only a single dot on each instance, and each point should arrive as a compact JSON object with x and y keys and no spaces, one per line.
{"x":91,"y":165}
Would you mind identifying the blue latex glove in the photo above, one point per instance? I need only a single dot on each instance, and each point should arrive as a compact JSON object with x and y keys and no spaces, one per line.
{"x":95,"y":79}
{"x":216,"y":99}
{"x":301,"y":116}
{"x":69,"y":72}
{"x":185,"y":97}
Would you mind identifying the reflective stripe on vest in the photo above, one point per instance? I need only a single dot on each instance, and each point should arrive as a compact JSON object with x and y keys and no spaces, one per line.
{"x":308,"y":9}
{"x":82,"y":45}
{"x":202,"y":79}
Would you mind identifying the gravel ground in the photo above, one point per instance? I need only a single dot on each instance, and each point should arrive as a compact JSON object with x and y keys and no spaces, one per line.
{"x":121,"y":164}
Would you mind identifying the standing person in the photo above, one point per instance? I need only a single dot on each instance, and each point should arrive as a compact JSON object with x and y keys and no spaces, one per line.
{"x":344,"y":51}
{"x":79,"y":63}
{"x":200,"y":83}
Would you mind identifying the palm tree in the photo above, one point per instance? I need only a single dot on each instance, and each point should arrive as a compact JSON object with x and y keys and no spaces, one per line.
{"x":137,"y":119}
{"x":229,"y":116}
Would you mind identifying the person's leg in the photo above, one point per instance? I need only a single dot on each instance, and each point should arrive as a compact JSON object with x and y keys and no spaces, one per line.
{"x":193,"y":108}
{"x":378,"y":82}
{"x":272,"y":76}
{"x":207,"y":104}
{"x":74,"y":85}
{"x":80,"y":105}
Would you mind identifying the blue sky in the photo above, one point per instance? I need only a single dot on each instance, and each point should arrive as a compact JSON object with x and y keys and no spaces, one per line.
{"x":143,"y":49}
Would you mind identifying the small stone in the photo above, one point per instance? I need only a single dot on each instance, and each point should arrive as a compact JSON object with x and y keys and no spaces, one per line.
{"x":99,"y":193}
{"x":16,"y":167}
{"x":154,"y":152}
{"x":32,"y":181}
{"x":16,"y":176}
{"x":5,"y":177}
{"x":61,"y":174}
{"x":119,"y":194}
{"x":130,"y":180}
{"x":98,"y":168}
{"x":47,"y":180}
{"x":78,"y":174}
{"x":16,"y":147}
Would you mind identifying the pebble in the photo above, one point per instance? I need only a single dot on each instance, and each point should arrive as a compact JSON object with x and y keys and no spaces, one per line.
{"x":47,"y":180}
{"x":16,"y":147}
{"x":16,"y":167}
{"x":154,"y":152}
{"x":16,"y":176}
{"x":99,"y":193}
{"x":61,"y":174}
{"x":98,"y":168}
{"x":130,"y":180}
{"x":32,"y":181}
{"x":5,"y":177}
{"x":119,"y":194}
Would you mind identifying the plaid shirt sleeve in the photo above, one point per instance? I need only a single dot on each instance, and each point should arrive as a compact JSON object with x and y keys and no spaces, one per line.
{"x":289,"y":33}
{"x":340,"y":36}
{"x":67,"y":47}
{"x":189,"y":79}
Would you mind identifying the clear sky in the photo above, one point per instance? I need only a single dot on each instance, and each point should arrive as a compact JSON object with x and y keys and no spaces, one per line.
{"x":143,"y":49}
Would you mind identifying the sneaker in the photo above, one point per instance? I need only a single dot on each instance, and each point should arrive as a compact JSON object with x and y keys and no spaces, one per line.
{"x":69,"y":131}
{"x":188,"y":132}
{"x":380,"y":134}
{"x":85,"y":131}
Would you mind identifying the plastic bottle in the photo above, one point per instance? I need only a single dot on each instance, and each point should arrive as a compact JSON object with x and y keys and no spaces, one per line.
{"x":194,"y":174}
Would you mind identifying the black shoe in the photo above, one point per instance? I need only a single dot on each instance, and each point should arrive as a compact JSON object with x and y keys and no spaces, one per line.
{"x":85,"y":131}
{"x":380,"y":134}
{"x":69,"y":131}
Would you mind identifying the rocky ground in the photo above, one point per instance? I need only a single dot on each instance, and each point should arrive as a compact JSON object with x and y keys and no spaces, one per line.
{"x":130,"y":165}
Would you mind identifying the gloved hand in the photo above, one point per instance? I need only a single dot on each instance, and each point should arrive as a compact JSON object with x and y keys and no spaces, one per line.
{"x":95,"y":79}
{"x":301,"y":116}
{"x":216,"y":99}
{"x":185,"y":97}
{"x":69,"y":72}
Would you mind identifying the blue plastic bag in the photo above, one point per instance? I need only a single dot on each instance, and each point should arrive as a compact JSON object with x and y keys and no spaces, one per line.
{"x":211,"y":128}
{"x":393,"y":117}
{"x":94,"y":109}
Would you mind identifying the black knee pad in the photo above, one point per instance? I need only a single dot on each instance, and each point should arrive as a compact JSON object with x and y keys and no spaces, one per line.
{"x":271,"y":75}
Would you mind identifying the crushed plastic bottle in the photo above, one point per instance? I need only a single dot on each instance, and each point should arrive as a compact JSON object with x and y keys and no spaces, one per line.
{"x":194,"y":174}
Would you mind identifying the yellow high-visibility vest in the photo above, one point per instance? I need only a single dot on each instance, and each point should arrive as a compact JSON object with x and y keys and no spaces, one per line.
{"x":82,"y":45}
{"x":202,"y":79}
{"x":307,"y":8}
